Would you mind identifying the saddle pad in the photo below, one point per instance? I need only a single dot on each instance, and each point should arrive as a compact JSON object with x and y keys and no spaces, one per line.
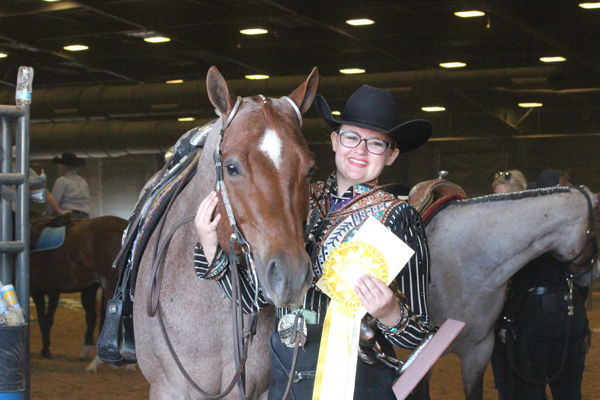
{"x":50,"y":238}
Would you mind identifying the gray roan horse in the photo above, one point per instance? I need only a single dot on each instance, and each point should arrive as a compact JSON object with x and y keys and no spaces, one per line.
{"x":476,"y":245}
{"x":266,"y":168}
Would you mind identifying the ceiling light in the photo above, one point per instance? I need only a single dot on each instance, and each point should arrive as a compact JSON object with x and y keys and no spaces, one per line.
{"x":359,"y":22}
{"x":2,"y":55}
{"x":553,"y":59}
{"x":254,"y":31}
{"x":76,"y":47}
{"x":433,"y":109}
{"x":530,"y":105}
{"x":176,"y":81}
{"x":469,"y":14}
{"x":352,"y":71}
{"x":50,"y":1}
{"x":336,"y":113}
{"x":589,"y":5}
{"x":256,"y":77}
{"x":453,"y":65}
{"x":186,"y":119}
{"x":157,"y":39}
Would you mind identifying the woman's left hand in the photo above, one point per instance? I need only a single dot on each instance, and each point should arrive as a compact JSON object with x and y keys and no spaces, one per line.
{"x":378,"y":299}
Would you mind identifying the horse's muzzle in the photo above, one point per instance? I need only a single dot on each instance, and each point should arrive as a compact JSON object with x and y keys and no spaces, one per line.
{"x":286,"y":281}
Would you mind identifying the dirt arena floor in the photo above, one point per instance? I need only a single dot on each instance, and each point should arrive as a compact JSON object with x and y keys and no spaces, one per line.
{"x":64,"y":377}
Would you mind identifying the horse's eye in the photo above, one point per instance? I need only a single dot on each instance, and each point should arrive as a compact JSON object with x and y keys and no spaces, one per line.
{"x":232,"y":170}
{"x":311,"y":170}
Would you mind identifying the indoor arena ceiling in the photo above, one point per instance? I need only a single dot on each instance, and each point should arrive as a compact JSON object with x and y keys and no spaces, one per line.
{"x":401,"y":50}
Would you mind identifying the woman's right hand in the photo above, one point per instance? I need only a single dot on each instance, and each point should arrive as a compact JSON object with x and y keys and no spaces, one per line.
{"x":207,"y":228}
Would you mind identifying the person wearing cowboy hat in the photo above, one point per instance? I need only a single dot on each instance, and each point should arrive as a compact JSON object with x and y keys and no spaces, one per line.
{"x":71,"y":191}
{"x":367,"y":138}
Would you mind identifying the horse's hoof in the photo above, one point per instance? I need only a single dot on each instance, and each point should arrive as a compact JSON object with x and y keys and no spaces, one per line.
{"x":131,"y":367}
{"x":92,"y":369}
{"x":93,"y":366}
{"x":46,"y":354}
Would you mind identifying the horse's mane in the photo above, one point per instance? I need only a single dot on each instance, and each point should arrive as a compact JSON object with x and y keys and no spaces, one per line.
{"x":524,"y":194}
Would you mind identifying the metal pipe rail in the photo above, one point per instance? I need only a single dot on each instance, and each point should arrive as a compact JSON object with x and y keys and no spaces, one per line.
{"x":16,"y":242}
{"x":13,"y":112}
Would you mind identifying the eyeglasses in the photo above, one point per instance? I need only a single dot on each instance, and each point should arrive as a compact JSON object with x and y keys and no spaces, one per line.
{"x":507,"y":175}
{"x":374,"y":145}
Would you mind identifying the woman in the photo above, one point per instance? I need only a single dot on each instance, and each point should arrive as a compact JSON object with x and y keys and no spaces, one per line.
{"x":507,"y":182}
{"x":544,"y":324}
{"x":365,"y":140}
{"x":504,"y":182}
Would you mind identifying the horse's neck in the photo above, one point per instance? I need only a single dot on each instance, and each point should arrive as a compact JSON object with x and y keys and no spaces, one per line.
{"x":499,"y":238}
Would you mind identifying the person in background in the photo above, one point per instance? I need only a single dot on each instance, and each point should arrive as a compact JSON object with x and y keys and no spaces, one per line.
{"x":504,"y":182}
{"x":545,"y":345}
{"x":367,"y":138}
{"x":71,"y":191}
{"x":507,"y":182}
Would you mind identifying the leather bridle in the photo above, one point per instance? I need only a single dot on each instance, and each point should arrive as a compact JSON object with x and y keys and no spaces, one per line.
{"x":242,"y":336}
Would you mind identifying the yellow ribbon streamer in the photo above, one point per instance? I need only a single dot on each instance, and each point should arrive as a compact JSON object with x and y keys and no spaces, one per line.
{"x":336,"y":366}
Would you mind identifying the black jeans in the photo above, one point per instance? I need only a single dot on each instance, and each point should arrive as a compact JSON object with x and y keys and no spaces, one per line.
{"x":372,"y":381}
{"x":540,"y":344}
{"x":501,"y":369}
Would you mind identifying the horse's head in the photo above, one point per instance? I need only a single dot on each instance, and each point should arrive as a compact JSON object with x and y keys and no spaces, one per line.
{"x":266,"y":171}
{"x":586,"y":245}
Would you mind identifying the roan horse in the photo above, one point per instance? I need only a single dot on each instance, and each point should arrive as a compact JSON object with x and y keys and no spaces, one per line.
{"x":82,"y":264}
{"x":266,"y":172}
{"x":476,"y":245}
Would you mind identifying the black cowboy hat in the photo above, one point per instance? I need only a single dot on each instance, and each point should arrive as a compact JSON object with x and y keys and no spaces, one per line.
{"x":375,"y":109}
{"x":548,"y":178}
{"x":70,"y":160}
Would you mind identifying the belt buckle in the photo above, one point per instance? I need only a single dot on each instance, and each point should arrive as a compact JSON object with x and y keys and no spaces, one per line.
{"x":286,"y":330}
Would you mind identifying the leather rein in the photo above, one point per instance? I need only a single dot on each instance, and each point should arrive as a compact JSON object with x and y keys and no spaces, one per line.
{"x":242,"y":336}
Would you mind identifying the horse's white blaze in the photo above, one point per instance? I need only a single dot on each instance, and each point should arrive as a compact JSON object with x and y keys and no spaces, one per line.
{"x":271,"y":146}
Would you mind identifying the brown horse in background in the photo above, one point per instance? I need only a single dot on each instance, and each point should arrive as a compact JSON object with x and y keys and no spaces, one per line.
{"x":82,"y":264}
{"x":266,"y":170}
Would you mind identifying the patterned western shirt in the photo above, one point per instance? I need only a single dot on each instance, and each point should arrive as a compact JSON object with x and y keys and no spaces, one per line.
{"x":333,"y":220}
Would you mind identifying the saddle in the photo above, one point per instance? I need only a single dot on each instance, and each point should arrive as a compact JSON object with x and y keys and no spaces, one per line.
{"x":116,"y":343}
{"x":429,"y":197}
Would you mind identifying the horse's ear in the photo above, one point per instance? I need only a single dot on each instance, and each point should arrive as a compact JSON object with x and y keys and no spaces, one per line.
{"x":303,"y":96}
{"x":218,"y":92}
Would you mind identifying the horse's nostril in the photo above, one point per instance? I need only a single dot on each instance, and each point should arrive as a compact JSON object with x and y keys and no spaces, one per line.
{"x":274,"y":277}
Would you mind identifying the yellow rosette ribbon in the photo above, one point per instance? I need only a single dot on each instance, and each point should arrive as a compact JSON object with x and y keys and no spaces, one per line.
{"x":336,"y":367}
